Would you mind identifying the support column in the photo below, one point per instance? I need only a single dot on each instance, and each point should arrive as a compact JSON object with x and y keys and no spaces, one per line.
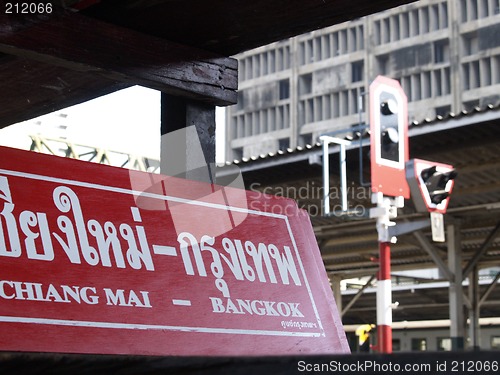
{"x":337,"y":294}
{"x":187,"y":139}
{"x":474,"y":311}
{"x":457,"y":330}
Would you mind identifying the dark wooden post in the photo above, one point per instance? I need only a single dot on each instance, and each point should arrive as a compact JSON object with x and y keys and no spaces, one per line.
{"x":188,"y":139}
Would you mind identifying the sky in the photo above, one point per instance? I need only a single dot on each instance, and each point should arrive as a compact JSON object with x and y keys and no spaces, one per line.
{"x":127,"y":120}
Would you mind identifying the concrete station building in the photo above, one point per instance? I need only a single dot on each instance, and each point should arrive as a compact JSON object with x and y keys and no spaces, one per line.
{"x":445,"y":53}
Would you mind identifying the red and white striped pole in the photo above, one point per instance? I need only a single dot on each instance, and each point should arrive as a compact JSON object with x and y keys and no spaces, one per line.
{"x":389,"y":153}
{"x":384,"y":299}
{"x":385,"y":211}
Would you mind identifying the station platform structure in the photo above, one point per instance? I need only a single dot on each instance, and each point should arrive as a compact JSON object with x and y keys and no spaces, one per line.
{"x":470,"y":142}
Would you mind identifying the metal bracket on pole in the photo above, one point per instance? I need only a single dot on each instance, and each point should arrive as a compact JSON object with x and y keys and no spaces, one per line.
{"x":387,"y":209}
{"x":326,"y":140}
{"x":408,"y":227}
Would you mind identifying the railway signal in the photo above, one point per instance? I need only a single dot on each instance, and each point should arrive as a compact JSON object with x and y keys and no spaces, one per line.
{"x":389,"y":153}
{"x":389,"y":137}
{"x":431,"y":184}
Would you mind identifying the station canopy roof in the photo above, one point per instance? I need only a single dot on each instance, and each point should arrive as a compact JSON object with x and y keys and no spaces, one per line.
{"x":468,"y":140}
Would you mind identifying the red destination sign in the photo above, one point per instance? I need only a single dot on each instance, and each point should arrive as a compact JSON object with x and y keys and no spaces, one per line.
{"x":97,"y":259}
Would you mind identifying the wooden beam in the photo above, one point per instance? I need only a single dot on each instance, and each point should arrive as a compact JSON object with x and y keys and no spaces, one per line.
{"x":35,"y":89}
{"x":84,"y":44}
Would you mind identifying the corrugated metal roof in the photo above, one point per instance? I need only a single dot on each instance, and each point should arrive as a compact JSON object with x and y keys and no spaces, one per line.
{"x":414,"y":125}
